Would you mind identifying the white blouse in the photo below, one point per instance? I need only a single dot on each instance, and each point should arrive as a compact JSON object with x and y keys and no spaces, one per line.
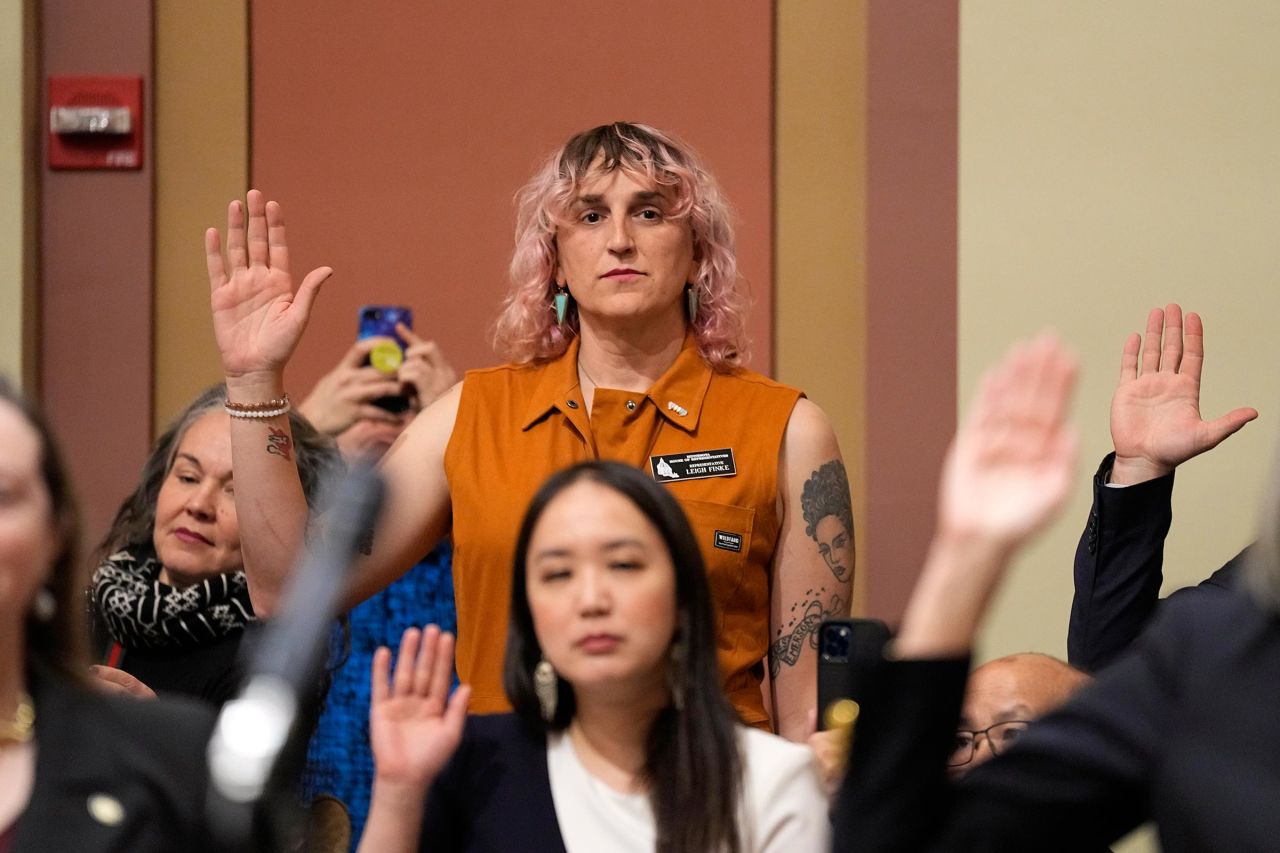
{"x":784,"y":807}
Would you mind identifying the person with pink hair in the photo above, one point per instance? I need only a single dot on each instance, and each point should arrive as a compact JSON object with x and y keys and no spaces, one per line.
{"x":624,"y":335}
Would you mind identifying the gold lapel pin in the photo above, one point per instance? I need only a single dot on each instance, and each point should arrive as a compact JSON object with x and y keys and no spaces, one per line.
{"x":105,"y":809}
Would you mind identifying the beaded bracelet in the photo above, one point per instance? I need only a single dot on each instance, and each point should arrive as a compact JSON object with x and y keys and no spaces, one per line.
{"x":253,"y":411}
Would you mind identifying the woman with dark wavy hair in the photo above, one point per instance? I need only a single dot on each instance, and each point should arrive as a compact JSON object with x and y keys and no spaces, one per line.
{"x":621,"y":738}
{"x":81,"y":771}
{"x":171,"y":601}
{"x":623,"y":328}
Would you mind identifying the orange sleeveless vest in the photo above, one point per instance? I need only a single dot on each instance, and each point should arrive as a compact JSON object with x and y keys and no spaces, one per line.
{"x":712,"y":438}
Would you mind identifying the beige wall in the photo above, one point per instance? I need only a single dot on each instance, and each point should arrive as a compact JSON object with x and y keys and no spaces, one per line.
{"x":820,"y":230}
{"x":202,"y":162}
{"x":16,"y":188}
{"x":1115,"y":156}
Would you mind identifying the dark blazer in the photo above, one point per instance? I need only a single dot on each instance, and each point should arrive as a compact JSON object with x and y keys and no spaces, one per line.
{"x":1182,"y":729}
{"x":114,"y":773}
{"x":1119,"y":568}
{"x":494,"y":793}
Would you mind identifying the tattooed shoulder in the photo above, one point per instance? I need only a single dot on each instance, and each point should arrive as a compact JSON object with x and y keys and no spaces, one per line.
{"x":828,"y":517}
{"x":801,"y":627}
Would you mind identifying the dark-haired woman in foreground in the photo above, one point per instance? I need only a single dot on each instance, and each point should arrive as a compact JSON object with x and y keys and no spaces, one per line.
{"x":621,"y":738}
{"x":78,"y":770}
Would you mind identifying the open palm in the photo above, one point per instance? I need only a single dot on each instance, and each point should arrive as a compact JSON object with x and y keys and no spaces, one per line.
{"x":258,"y":319}
{"x":1012,"y":461}
{"x":414,"y":725}
{"x":1155,"y":417}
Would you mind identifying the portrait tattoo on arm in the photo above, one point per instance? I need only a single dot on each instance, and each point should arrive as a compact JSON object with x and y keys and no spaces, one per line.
{"x":802,"y":626}
{"x":828,"y":517}
{"x":280,"y":444}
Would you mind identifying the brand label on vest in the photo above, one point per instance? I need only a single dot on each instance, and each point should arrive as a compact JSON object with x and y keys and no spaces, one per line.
{"x":693,"y":466}
{"x":728,"y":541}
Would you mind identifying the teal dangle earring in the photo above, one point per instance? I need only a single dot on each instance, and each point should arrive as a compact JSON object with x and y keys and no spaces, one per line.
{"x":561,"y":301}
{"x":691,"y":301}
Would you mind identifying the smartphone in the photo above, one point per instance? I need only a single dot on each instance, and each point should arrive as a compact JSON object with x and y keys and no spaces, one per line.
{"x":848,"y":649}
{"x":380,"y":321}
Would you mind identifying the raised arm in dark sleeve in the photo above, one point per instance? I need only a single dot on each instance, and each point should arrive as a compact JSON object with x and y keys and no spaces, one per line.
{"x":1156,"y":425}
{"x":1077,"y":780}
{"x":1119,"y":568}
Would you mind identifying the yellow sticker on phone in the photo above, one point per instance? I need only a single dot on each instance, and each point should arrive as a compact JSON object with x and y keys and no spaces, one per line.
{"x":386,"y":356}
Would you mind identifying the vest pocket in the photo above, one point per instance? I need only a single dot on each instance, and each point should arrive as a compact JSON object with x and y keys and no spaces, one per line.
{"x":723,"y":532}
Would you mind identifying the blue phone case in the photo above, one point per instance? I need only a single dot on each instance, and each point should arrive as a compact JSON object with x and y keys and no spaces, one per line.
{"x":380,"y":321}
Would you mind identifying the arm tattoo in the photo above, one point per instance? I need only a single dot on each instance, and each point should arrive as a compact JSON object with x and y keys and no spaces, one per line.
{"x":828,"y":517}
{"x":280,"y":444}
{"x":803,"y":626}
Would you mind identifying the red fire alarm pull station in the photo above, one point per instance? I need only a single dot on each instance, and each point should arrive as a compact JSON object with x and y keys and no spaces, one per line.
{"x":95,"y":122}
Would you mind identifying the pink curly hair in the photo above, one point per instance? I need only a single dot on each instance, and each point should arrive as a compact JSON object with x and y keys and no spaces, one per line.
{"x":526,"y":329}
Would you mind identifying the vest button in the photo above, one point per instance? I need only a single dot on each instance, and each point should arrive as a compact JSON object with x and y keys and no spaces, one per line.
{"x":631,"y":405}
{"x":573,"y":404}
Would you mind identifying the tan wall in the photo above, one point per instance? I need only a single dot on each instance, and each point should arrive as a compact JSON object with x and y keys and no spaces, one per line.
{"x":202,"y":162}
{"x":820,"y":198}
{"x":1115,"y":156}
{"x":17,"y":187}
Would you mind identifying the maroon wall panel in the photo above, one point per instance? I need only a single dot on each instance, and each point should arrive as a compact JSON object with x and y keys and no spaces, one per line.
{"x":95,"y":289}
{"x":912,"y":108}
{"x":395,"y":135}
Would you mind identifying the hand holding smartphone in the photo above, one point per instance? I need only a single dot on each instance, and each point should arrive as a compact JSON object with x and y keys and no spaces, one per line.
{"x":846,"y":648}
{"x":380,"y":321}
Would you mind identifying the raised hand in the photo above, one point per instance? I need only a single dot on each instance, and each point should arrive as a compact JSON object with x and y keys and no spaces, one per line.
{"x":1013,"y":459}
{"x":1155,"y":417}
{"x":414,"y":725}
{"x":258,"y":319}
{"x":1007,"y":472}
{"x":345,"y":394}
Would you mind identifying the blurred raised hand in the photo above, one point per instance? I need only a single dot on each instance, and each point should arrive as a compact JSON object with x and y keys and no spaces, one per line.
{"x":1007,"y":473}
{"x":1013,"y":459}
{"x":1155,"y":412}
{"x":414,"y":724}
{"x":258,"y":318}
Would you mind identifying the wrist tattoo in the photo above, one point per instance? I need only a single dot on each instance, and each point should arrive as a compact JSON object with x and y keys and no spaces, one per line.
{"x":280,"y":444}
{"x":828,"y":517}
{"x":802,"y":627}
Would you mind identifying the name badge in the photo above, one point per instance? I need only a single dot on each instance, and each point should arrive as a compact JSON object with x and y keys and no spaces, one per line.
{"x":693,"y":466}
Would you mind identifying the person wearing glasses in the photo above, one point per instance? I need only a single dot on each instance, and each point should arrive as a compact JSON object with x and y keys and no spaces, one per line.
{"x":1002,"y":698}
{"x":1180,"y":731}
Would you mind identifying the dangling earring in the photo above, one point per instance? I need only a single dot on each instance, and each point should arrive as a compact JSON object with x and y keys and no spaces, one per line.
{"x":677,"y":673}
{"x":547,"y":688}
{"x":691,"y":301}
{"x":45,"y":606}
{"x":561,"y":301}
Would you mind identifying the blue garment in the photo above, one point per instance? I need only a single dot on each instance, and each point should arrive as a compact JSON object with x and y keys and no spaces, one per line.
{"x":339,"y":759}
